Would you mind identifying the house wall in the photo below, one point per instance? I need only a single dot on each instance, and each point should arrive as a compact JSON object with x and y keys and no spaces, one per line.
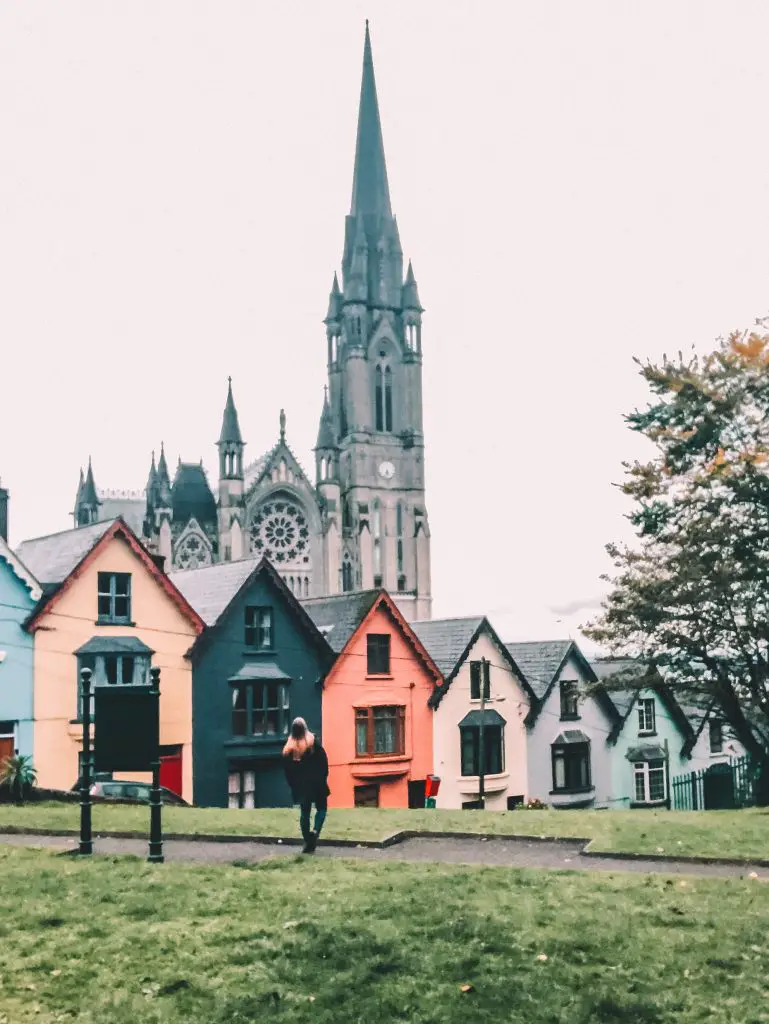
{"x":701,"y":756}
{"x":214,"y":748}
{"x":72,"y":621}
{"x":410,"y":685}
{"x":511,"y":702}
{"x":16,"y":669}
{"x":593,"y":721}
{"x":667,"y":735}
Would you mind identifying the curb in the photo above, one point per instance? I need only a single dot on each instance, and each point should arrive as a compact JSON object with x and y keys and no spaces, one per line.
{"x":395,"y":839}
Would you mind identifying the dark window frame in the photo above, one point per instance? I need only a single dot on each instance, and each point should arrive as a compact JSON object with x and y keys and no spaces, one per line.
{"x":259,"y":635}
{"x":475,"y":680}
{"x":369,"y":716}
{"x":569,"y":693}
{"x":140,"y":674}
{"x":716,"y":735}
{"x":280,"y":707}
{"x":111,"y":597}
{"x":573,"y":755}
{"x":378,"y":654}
{"x":647,"y":710}
{"x":493,"y":749}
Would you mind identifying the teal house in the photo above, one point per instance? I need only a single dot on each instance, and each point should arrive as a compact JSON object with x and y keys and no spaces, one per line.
{"x":19,"y":593}
{"x":653,"y":739}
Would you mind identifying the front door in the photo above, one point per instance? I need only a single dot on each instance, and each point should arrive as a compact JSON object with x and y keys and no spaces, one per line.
{"x":7,"y":740}
{"x":171,"y":769}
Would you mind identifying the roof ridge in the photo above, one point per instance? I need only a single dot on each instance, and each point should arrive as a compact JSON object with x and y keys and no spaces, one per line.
{"x":73,"y":529}
{"x":215,"y":565}
{"x":345,"y":594}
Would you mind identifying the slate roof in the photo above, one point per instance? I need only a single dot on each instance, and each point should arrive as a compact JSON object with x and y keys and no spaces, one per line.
{"x":338,"y":617}
{"x":191,"y":495}
{"x":51,"y":559}
{"x":132,"y":510}
{"x":209,"y":590}
{"x":446,"y":640}
{"x":539,"y":661}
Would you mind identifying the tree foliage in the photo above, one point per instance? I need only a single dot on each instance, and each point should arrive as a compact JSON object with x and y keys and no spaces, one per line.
{"x":692,"y":594}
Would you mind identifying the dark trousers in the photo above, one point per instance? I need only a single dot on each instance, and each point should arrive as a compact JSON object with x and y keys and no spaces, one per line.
{"x":305,"y":810}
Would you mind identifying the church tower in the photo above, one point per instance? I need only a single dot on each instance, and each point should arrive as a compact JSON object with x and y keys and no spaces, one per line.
{"x":372,"y":427}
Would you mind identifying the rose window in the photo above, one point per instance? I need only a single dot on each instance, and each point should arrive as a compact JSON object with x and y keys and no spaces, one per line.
{"x":193,"y":554}
{"x":279,"y":530}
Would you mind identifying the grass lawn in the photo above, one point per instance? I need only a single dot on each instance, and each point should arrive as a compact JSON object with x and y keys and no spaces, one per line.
{"x":743,"y":834}
{"x":116,"y":941}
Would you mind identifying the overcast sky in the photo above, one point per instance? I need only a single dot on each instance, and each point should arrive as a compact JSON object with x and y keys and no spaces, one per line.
{"x":577,"y":184}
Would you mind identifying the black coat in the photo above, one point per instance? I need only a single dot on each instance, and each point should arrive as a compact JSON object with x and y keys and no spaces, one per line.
{"x":308,"y":776}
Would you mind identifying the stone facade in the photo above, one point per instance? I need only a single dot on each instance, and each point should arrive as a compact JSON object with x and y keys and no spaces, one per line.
{"x":363,"y":522}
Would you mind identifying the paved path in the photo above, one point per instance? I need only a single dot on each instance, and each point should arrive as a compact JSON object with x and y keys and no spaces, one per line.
{"x":518,"y":853}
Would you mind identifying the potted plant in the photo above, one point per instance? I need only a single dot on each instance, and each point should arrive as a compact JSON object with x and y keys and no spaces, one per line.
{"x":19,"y":776}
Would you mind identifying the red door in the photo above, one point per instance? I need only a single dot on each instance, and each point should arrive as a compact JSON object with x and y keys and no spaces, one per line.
{"x":171,"y":769}
{"x":6,"y":748}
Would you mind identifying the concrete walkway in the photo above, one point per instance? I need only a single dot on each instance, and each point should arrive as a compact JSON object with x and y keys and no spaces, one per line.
{"x":515,"y":853}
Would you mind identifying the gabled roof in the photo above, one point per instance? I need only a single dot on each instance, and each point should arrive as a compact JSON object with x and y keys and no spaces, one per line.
{"x":51,"y":559}
{"x":338,"y":617}
{"x":114,"y":645}
{"x":20,"y":570}
{"x":542,"y":661}
{"x":626,"y":677}
{"x":80,"y":548}
{"x":215,"y":589}
{"x":449,"y":642}
{"x":347,"y":614}
{"x":211,"y":588}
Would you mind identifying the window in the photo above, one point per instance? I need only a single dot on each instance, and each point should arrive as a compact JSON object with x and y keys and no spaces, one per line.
{"x":646,"y":725}
{"x":399,"y":546}
{"x":650,"y":782}
{"x":260,"y":709}
{"x":346,"y":514}
{"x":378,"y":654}
{"x":493,"y":749}
{"x":383,"y":398}
{"x":478,"y":669}
{"x":571,"y":767}
{"x":380,"y":731}
{"x":569,"y":699}
{"x":241,"y":786}
{"x":111,"y":670}
{"x":259,"y":627}
{"x":347,"y":582}
{"x":114,"y":601}
{"x":716,"y":733}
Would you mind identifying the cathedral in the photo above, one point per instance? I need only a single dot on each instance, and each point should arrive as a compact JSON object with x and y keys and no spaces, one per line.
{"x":363,"y":523}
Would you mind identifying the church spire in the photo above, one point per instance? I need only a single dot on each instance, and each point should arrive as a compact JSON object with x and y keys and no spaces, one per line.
{"x":326,"y":427}
{"x":89,"y":495}
{"x":370,"y":191}
{"x":230,"y":426}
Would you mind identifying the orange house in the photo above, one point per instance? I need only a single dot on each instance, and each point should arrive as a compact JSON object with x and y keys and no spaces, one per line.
{"x":377,"y":723}
{"x":107,"y":606}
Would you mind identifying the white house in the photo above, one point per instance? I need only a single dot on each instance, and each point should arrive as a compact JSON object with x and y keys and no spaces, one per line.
{"x":475,"y":664}
{"x":569,"y":725}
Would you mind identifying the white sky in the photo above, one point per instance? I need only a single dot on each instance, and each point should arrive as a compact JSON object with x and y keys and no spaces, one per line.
{"x":577,"y":184}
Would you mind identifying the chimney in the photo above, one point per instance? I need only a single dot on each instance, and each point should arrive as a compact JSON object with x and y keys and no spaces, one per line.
{"x":160,"y":562}
{"x":3,"y":512}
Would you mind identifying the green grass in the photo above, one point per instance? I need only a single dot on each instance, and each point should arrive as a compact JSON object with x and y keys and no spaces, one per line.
{"x":742,"y":834}
{"x":116,"y":941}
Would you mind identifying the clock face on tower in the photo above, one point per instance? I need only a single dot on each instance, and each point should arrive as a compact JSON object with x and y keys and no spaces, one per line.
{"x":386,"y":470}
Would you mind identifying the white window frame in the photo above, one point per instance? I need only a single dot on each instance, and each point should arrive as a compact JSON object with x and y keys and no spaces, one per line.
{"x":641,"y":768}
{"x":643,"y":716}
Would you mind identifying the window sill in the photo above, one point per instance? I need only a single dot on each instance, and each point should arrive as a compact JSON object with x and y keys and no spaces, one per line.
{"x":115,"y":622}
{"x":248,"y":649}
{"x":572,"y":792}
{"x":381,"y":757}
{"x":240,"y":740}
{"x":646,"y":735}
{"x":491,"y":783}
{"x":571,"y":718}
{"x":379,"y":675}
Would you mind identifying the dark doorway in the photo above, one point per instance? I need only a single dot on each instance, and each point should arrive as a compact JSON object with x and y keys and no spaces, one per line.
{"x":416,"y":794}
{"x":367,"y":796}
{"x":718,"y":788}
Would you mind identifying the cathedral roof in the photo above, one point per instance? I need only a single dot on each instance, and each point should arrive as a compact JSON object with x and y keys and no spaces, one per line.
{"x":370,"y":190}
{"x":191,"y":495}
{"x":51,"y":559}
{"x":230,"y":426}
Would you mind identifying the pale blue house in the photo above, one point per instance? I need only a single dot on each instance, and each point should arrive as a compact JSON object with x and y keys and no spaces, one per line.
{"x":653,"y":740}
{"x":19,"y":593}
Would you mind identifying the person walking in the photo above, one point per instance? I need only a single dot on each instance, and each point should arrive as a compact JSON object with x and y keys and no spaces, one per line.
{"x":306,"y":766}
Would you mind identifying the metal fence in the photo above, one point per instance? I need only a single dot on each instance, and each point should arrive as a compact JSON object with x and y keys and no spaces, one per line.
{"x":722,"y":786}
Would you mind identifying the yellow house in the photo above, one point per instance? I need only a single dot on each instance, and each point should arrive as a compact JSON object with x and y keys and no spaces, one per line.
{"x":106,"y":605}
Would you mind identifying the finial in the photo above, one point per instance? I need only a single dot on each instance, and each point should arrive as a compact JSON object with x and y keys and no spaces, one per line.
{"x":229,"y":381}
{"x":282,"y":425}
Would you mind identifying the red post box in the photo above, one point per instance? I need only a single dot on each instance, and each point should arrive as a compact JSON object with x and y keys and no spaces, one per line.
{"x":432,"y":785}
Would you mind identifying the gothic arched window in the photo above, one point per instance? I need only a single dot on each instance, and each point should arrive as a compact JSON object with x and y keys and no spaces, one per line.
{"x":399,"y":538}
{"x":383,"y":397}
{"x":347,"y":581}
{"x":346,"y":514}
{"x":377,"y":533}
{"x":279,"y":529}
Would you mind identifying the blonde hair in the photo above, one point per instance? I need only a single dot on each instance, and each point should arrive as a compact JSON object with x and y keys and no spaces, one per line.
{"x":300,"y":740}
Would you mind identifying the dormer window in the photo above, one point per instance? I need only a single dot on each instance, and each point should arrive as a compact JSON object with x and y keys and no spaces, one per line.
{"x":114,"y":661}
{"x":114,"y":597}
{"x":569,"y":700}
